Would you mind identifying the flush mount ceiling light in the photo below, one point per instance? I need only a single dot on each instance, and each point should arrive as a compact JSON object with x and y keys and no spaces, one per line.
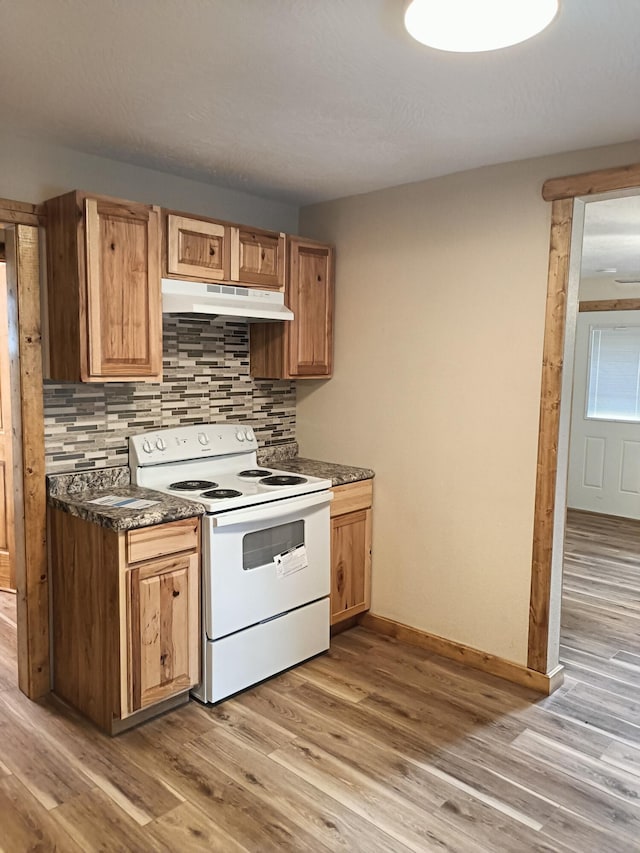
{"x":471,"y":26}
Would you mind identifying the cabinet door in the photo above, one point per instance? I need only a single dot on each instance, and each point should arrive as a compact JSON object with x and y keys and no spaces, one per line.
{"x":258,"y":257}
{"x":197,"y":248}
{"x":123,"y":309}
{"x":163,"y":630}
{"x":310,"y":297}
{"x":350,"y":564}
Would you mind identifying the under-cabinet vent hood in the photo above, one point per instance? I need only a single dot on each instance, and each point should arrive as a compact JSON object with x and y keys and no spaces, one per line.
{"x":187,"y":298}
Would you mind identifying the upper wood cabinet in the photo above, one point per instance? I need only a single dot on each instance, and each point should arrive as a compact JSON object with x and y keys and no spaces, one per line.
{"x":201,"y":249}
{"x":303,"y":347}
{"x":258,"y":257}
{"x":197,"y":248}
{"x":103,"y":289}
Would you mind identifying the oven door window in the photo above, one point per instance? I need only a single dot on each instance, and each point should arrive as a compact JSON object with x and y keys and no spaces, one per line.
{"x":260,"y":548}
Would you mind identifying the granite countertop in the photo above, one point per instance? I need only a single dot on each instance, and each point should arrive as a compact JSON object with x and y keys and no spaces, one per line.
{"x":73,"y":493}
{"x":339,"y":475}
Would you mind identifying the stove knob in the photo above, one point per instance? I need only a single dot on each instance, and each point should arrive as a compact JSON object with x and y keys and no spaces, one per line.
{"x":146,"y":446}
{"x":240,"y":436}
{"x":160,"y":444}
{"x":203,"y":438}
{"x":248,"y":434}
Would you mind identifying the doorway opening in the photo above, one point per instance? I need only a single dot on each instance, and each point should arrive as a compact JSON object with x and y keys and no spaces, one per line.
{"x":569,"y":196}
{"x":600,"y":613}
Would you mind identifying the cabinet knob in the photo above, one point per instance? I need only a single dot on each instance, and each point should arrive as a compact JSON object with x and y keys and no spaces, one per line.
{"x":175,"y":593}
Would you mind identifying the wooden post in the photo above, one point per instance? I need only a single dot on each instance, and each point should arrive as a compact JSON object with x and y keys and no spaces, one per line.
{"x":25,"y":343}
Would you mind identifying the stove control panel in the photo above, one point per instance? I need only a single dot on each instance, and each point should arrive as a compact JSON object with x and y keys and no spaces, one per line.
{"x":179,"y":444}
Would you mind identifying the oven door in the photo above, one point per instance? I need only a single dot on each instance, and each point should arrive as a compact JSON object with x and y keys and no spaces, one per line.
{"x":245,"y":580}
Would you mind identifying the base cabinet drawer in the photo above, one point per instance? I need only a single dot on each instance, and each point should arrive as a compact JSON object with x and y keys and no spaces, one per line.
{"x":148,"y":543}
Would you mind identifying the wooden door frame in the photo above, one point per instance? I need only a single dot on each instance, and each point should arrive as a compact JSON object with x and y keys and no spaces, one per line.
{"x":564,"y":194}
{"x":32,"y":583}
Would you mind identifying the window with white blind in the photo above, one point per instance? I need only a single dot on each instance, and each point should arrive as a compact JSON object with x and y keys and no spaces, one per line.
{"x":613,"y":392}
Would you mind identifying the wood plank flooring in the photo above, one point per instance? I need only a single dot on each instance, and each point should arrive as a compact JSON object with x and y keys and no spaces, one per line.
{"x":374,"y":747}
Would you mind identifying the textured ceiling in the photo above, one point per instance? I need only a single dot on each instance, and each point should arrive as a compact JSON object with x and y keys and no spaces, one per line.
{"x":306,"y":100}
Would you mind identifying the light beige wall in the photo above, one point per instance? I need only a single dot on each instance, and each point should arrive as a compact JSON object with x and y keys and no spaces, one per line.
{"x":34,"y":170}
{"x":440,"y":302}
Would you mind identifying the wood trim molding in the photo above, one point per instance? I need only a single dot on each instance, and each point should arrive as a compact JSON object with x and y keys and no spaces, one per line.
{"x":591,"y":183}
{"x":562,"y":192}
{"x":516,"y":673}
{"x":610,"y":305}
{"x":23,"y":292}
{"x":547,"y":465}
{"x":19,"y":212}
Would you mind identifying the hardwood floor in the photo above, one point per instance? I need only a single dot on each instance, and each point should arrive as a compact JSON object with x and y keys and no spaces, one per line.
{"x":374,"y":747}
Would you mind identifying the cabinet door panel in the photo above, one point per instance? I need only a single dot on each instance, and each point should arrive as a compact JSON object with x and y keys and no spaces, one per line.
{"x":163,"y":630}
{"x":258,"y":257}
{"x":350,"y":564}
{"x":123,"y":289}
{"x":197,"y":249}
{"x":311,"y":300}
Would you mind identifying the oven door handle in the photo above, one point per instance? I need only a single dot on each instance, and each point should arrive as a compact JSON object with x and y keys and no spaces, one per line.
{"x":272,"y":511}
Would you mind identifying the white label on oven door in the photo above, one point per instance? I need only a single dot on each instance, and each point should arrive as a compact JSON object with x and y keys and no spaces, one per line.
{"x":291,"y":561}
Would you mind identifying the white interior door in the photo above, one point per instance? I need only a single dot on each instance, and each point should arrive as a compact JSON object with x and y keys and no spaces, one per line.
{"x":604,"y":453}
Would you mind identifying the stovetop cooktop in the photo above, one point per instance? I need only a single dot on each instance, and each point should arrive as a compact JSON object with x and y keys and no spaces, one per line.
{"x":214,"y":464}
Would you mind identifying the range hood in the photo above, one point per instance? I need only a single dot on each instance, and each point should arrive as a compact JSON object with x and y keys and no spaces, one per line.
{"x":187,"y":298}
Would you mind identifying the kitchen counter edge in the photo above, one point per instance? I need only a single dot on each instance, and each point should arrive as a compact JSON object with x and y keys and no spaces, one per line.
{"x":166,"y":509}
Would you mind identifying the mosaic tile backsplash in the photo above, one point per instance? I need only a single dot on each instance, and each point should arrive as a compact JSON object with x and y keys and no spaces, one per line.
{"x":206,"y":379}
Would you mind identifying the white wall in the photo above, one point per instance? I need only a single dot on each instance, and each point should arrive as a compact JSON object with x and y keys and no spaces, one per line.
{"x":34,"y":171}
{"x":440,"y":302}
{"x":605,"y":287}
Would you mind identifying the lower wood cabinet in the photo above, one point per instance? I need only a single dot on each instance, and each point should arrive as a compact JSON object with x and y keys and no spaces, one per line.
{"x":351,"y":550}
{"x":163,"y":649}
{"x":125,"y":615}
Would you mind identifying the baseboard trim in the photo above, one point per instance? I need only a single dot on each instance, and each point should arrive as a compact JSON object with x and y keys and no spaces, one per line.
{"x":517,"y":673}
{"x":345,"y":625}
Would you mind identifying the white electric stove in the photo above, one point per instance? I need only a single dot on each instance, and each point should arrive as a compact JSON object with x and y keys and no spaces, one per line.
{"x":265,"y":550}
